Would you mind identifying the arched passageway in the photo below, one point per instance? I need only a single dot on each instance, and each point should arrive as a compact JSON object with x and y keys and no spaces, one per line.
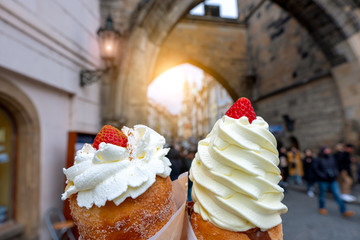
{"x":218,"y":46}
{"x":334,"y":28}
{"x":185,"y":102}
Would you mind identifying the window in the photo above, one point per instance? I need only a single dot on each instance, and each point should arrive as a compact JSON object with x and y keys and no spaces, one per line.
{"x":224,"y":8}
{"x":6,"y":166}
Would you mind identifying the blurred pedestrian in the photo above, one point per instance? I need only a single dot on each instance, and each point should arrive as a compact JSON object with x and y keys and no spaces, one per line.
{"x":358,"y":172}
{"x":188,"y":160}
{"x":284,"y":165}
{"x":345,"y":176}
{"x":326,"y":171}
{"x":295,"y":165}
{"x":309,"y":172}
{"x":176,"y":163}
{"x":339,"y":150}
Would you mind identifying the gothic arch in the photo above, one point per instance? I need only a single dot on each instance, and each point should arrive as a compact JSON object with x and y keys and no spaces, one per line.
{"x":154,"y":20}
{"x":27,"y":169}
{"x":329,"y":23}
{"x":212,"y":72}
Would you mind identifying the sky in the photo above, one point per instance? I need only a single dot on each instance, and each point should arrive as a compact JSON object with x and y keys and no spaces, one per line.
{"x":167,"y":89}
{"x":228,"y":8}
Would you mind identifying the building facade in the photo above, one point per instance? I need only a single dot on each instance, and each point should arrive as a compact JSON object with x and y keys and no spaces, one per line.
{"x":201,"y":108}
{"x":162,"y":121}
{"x":44,"y":45}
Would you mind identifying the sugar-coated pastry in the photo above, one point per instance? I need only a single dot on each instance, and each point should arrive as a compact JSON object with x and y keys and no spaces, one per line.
{"x":138,"y":218}
{"x":204,"y":230}
{"x":119,"y":187}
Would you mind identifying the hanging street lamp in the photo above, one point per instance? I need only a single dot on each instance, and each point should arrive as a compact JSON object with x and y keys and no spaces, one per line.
{"x":109,"y":41}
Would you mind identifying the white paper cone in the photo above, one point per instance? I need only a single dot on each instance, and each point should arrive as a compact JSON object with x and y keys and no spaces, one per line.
{"x":175,"y":228}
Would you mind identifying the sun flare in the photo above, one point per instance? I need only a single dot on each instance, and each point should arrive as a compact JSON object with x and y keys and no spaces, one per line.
{"x":167,"y":88}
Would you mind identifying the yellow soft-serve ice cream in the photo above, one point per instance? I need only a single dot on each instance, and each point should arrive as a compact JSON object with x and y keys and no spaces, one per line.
{"x":235,"y":174}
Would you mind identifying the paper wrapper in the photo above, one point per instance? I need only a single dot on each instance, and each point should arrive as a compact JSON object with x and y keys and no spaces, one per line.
{"x":176,"y":227}
{"x":190,"y":231}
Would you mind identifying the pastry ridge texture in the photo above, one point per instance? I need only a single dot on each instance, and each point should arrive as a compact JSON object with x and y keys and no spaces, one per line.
{"x":138,"y":218}
{"x":204,"y":230}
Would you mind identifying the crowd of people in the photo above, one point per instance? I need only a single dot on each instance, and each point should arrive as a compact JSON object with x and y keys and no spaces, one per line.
{"x":181,"y":156}
{"x":332,"y":172}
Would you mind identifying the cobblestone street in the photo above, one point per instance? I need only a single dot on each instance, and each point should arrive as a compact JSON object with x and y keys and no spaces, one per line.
{"x":303,"y":221}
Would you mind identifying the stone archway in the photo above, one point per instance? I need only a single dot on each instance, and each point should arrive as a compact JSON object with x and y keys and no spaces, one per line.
{"x":219,"y":77}
{"x":185,"y":94}
{"x":335,"y":31}
{"x":216,"y":45}
{"x":153,"y":21}
{"x":27,"y":167}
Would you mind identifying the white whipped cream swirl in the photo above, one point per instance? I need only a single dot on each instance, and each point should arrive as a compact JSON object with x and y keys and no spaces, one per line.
{"x":114,"y":173}
{"x":236,"y":177}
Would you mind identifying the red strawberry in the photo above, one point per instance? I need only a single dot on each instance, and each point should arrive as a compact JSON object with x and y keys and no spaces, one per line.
{"x":110,"y":134}
{"x":242,"y":107}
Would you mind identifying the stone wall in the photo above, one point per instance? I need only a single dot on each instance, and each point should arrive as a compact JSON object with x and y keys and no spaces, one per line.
{"x":293,"y":77}
{"x":282,"y":51}
{"x":213,"y":44}
{"x":246,"y":8}
{"x":290,"y":43}
{"x":316,"y":109}
{"x":121,"y":12}
{"x":347,"y":81}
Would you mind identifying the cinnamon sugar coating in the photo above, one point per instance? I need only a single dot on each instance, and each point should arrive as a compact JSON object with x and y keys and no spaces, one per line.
{"x":204,"y":230}
{"x":138,"y":218}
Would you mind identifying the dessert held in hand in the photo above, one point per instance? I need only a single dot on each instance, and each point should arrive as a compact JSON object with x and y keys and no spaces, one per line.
{"x":119,"y":187}
{"x":235,"y":179}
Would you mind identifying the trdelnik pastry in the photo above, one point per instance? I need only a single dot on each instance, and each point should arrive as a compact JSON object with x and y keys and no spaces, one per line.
{"x":119,"y":187}
{"x":235,"y":179}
